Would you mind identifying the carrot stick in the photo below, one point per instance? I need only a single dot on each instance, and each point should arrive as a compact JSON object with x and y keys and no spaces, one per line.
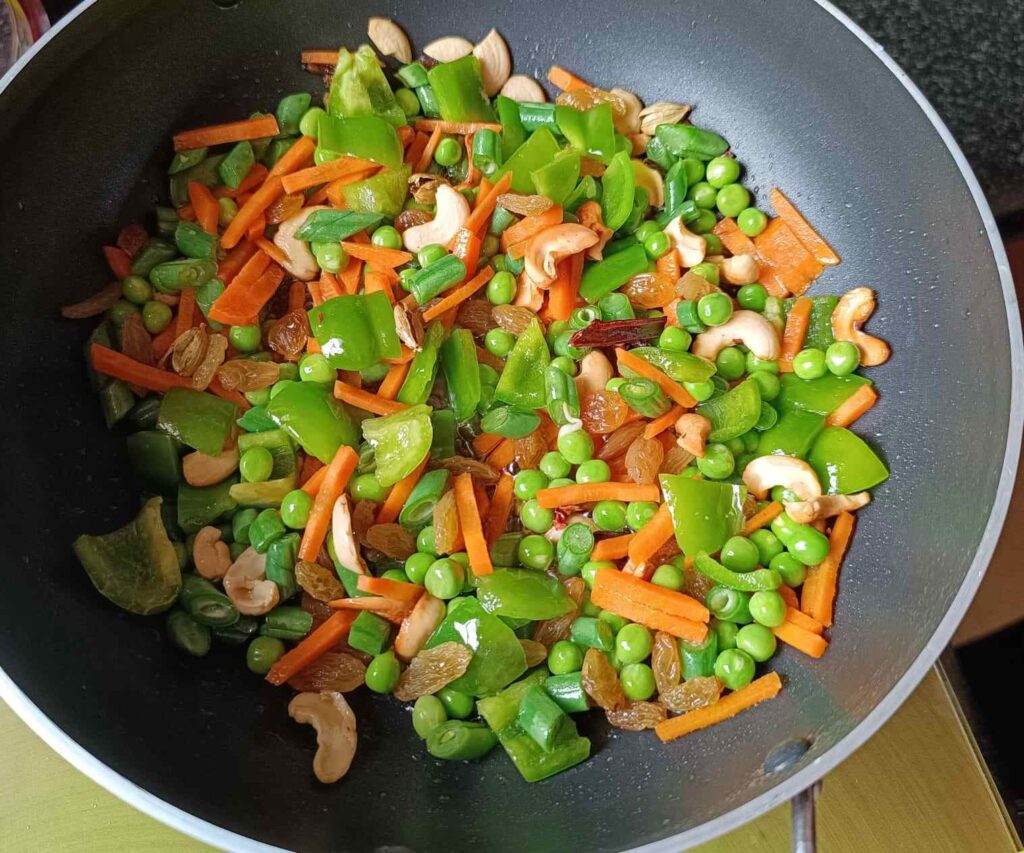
{"x":459,"y":295}
{"x":428,"y":150}
{"x":271,"y":250}
{"x":501,"y":457}
{"x":335,"y":480}
{"x":186,"y":311}
{"x":376,"y":255}
{"x":316,"y":294}
{"x":802,"y":620}
{"x":375,"y":281}
{"x":396,"y":498}
{"x":650,"y":595}
{"x":296,"y":296}
{"x":118,"y":260}
{"x":823,"y":253}
{"x":615,"y":548}
{"x":312,"y":485}
{"x":819,"y":590}
{"x":501,"y":507}
{"x":391,"y":384}
{"x":728,"y":706}
{"x":232,"y":396}
{"x":257,"y":228}
{"x":252,"y":210}
{"x":462,"y":128}
{"x":530,"y":226}
{"x":365,"y":400}
{"x":319,"y":57}
{"x":853,"y":407}
{"x":406,"y":356}
{"x":234,"y":261}
{"x":296,"y":157}
{"x":662,"y":423}
{"x":561,"y":295}
{"x":593,"y":492}
{"x":485,"y":205}
{"x":324,"y":638}
{"x":396,"y":590}
{"x":565,"y":80}
{"x":650,"y":538}
{"x":239,"y":305}
{"x":416,"y":148}
{"x":763,"y":517}
{"x":790,"y":266}
{"x":352,"y":275}
{"x":112,"y":363}
{"x":472,"y":530}
{"x":386,"y":608}
{"x":796,"y":330}
{"x":788,"y":594}
{"x":485,"y":443}
{"x":637,"y":611}
{"x":466,"y":246}
{"x":733,"y":239}
{"x":204,"y":203}
{"x":325,"y":173}
{"x":801,"y":639}
{"x":221,"y":134}
{"x":673,"y":389}
{"x":482,"y":191}
{"x":482,"y":501}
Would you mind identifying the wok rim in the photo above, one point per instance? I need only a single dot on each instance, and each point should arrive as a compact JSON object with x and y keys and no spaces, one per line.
{"x":225,"y":839}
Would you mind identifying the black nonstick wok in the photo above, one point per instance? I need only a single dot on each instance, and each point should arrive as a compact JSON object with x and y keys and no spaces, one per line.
{"x":810,"y":104}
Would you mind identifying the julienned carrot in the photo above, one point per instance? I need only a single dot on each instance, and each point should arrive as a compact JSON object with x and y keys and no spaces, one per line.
{"x":231,"y":396}
{"x":483,"y":189}
{"x":481,"y":214}
{"x":466,"y":246}
{"x":319,"y":642}
{"x":240,"y":304}
{"x":662,"y":423}
{"x":502,"y":455}
{"x":296,"y":295}
{"x":112,"y":363}
{"x":819,"y":590}
{"x":462,"y":128}
{"x":485,"y":443}
{"x":257,"y":228}
{"x":459,"y":295}
{"x":396,"y":590}
{"x":186,"y":311}
{"x":657,"y":620}
{"x":676,"y":392}
{"x":386,"y":608}
{"x":352,"y":276}
{"x":297,"y":157}
{"x":649,"y":538}
{"x":365,"y":400}
{"x":375,"y":280}
{"x":614,"y":548}
{"x":796,"y":330}
{"x":564,"y":293}
{"x":391,"y":384}
{"x":823,"y":253}
{"x":376,"y":255}
{"x":483,"y":502}
{"x":428,"y":150}
{"x":501,"y":506}
{"x":119,"y":261}
{"x":325,"y":173}
{"x":728,"y":706}
{"x":416,"y":148}
{"x":187,"y":213}
{"x":220,"y":134}
{"x":472,"y":529}
{"x":234,"y":261}
{"x":271,"y":250}
{"x":316,"y":294}
{"x":592,"y":492}
{"x":802,"y":620}
{"x":319,"y":57}
{"x":565,"y":80}
{"x":313,"y":484}
{"x":530,"y":226}
{"x":651,"y":595}
{"x":788,"y":594}
{"x":251,"y":271}
{"x":396,"y":498}
{"x":204,"y":203}
{"x":733,"y":239}
{"x":853,"y":407}
{"x":338,"y":473}
{"x":786,"y":264}
{"x":762,"y":517}
{"x":251,"y":211}
{"x":801,"y":639}
{"x":406,"y":356}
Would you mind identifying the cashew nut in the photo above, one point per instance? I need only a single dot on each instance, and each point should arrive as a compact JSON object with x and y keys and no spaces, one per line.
{"x":804,"y":512}
{"x":739,"y":269}
{"x":449,"y":48}
{"x":202,"y":470}
{"x":390,"y":39}
{"x":650,"y":180}
{"x":854,"y":308}
{"x":595,"y":371}
{"x":211,"y":556}
{"x":452,"y":213}
{"x":660,"y":113}
{"x":418,"y":626}
{"x":693,"y":431}
{"x":246,"y":584}
{"x":744,"y":327}
{"x":524,"y":89}
{"x":765,"y":472}
{"x":691,"y":247}
{"x":301,"y":262}
{"x":544,"y":251}
{"x":528,"y":294}
{"x":495,"y":62}
{"x":629,"y":122}
{"x":346,"y":549}
{"x":335,"y":725}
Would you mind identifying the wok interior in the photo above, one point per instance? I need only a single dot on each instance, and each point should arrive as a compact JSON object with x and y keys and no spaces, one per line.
{"x":84,"y":145}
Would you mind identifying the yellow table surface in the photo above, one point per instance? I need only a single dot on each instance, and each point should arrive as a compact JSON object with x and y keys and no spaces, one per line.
{"x":917,"y":785}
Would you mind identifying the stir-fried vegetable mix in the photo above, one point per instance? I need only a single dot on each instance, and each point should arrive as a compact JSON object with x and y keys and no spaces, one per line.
{"x":508,"y":408}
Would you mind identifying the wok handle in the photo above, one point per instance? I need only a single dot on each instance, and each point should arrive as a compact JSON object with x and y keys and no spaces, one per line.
{"x":804,"y":836}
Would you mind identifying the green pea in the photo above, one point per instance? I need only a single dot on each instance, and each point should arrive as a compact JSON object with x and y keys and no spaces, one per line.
{"x":734,"y":668}
{"x":554,"y":465}
{"x":714,"y":309}
{"x":708,"y":272}
{"x":703,"y":195}
{"x":712,"y":243}
{"x":657,"y":244}
{"x":244,"y":338}
{"x":590,"y":569}
{"x":314,"y":367}
{"x":717,"y":463}
{"x":751,"y":440}
{"x":289,"y":371}
{"x":754,"y":364}
{"x":732,"y":200}
{"x":448,"y":152}
{"x":645,"y":230}
{"x":616,"y":622}
{"x":457,"y":704}
{"x":120,"y":311}
{"x":757,"y":641}
{"x":675,"y":339}
{"x":767,"y":383}
{"x":565,"y":657}
{"x":588,"y":608}
{"x":752,"y":297}
{"x":366,"y":487}
{"x":609,"y":515}
{"x":407,"y":100}
{"x":637,"y":681}
{"x":693,"y":169}
{"x":751,"y":221}
{"x":295,"y":507}
{"x":768,"y":546}
{"x":633,"y":643}
{"x":558,"y":482}
{"x":425,"y":542}
{"x":499,"y":342}
{"x":739,"y":554}
{"x":330,"y":256}
{"x":721,"y":171}
{"x":386,"y":237}
{"x":808,"y":545}
{"x":576,"y":446}
{"x":528,"y":482}
{"x":555,"y":330}
{"x":700,"y":391}
{"x":227,"y":210}
{"x":841,"y":358}
{"x":427,"y":714}
{"x":669,"y":576}
{"x":416,"y":565}
{"x":256,"y":465}
{"x":383,"y":672}
{"x":262,"y":653}
{"x":535,"y":517}
{"x":768,"y":608}
{"x":278,"y":387}
{"x":593,"y":471}
{"x":501,"y":289}
{"x":809,"y":363}
{"x":565,"y":364}
{"x":156,"y":317}
{"x":310,"y":122}
{"x":705,"y":221}
{"x":430,"y":253}
{"x":535,"y":552}
{"x":396,"y":575}
{"x":638,"y":513}
{"x":136,"y":290}
{"x":731,"y":363}
{"x":444,"y":578}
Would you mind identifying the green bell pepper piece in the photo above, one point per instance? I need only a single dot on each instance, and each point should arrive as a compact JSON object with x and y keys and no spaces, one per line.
{"x":280,"y":567}
{"x":355,"y":332}
{"x":423,"y":369}
{"x":400,"y":442}
{"x":359,"y":88}
{"x":384,"y":193}
{"x":206,"y":295}
{"x":187,"y":159}
{"x":844,"y":462}
{"x":236,"y":164}
{"x":759,"y":580}
{"x":443,"y":444}
{"x":198,"y":419}
{"x":602,"y":278}
{"x":136,"y":566}
{"x":368,"y":137}
{"x":462,"y":373}
{"x":369,"y":633}
{"x":522,"y":594}
{"x":704,"y":513}
{"x":512,"y":132}
{"x":540,"y":717}
{"x":505,"y":550}
{"x":522,"y":379}
{"x":568,"y":750}
{"x":256,"y":419}
{"x":508,"y":422}
{"x":308,"y":412}
{"x":590,"y":132}
{"x":154,"y":458}
{"x":290,"y":110}
{"x":539,"y":150}
{"x":819,"y":326}
{"x":822,"y":396}
{"x":498,"y":657}
{"x":568,"y":692}
{"x":793,"y":434}
{"x":459,"y":89}
{"x":734,"y":412}
{"x":198,"y":507}
{"x":174,"y":276}
{"x":618,"y":196}
{"x":587,"y":189}
{"x":558,"y":178}
{"x":502,"y":708}
{"x":685,"y":140}
{"x":679,"y":366}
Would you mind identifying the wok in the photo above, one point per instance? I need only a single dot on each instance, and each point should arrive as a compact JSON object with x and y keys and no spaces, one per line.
{"x":810,"y":104}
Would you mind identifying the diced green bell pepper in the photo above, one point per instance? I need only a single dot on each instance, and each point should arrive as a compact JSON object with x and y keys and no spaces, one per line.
{"x":792,"y":435}
{"x":568,"y":692}
{"x":368,"y":137}
{"x":442,"y":445}
{"x":198,"y":507}
{"x":355,"y":332}
{"x":558,"y":178}
{"x":844,"y":462}
{"x":369,"y":633}
{"x":256,"y":419}
{"x":308,"y":412}
{"x":502,"y":708}
{"x":539,"y":150}
{"x":359,"y":88}
{"x":206,"y":295}
{"x":459,"y":89}
{"x":505,"y":550}
{"x":704,"y":513}
{"x":590,"y":132}
{"x":400,"y":442}
{"x":615,"y":270}
{"x":330,"y":226}
{"x":686,"y":140}
{"x":568,"y":750}
{"x":734,"y":412}
{"x":522,"y":379}
{"x":384,"y":193}
{"x":523,"y":594}
{"x":823,"y":395}
{"x":759,"y":580}
{"x":461,"y":373}
{"x":154,"y":458}
{"x":423,"y":369}
{"x":198,"y":419}
{"x":618,"y":193}
{"x":236,"y":164}
{"x":512,"y":132}
{"x":679,"y":366}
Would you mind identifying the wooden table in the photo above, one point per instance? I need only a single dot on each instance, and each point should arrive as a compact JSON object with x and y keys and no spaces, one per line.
{"x":918,"y":785}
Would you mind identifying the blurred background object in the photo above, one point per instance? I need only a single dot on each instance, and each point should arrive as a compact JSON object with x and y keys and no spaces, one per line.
{"x":22,"y":22}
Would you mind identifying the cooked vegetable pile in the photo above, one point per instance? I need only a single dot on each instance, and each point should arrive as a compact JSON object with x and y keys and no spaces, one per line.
{"x":511,"y":409}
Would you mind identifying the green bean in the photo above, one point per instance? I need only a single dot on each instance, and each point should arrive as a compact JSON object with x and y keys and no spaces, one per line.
{"x":290,"y":110}
{"x":172,"y":276}
{"x":686,"y":140}
{"x":644,"y":397}
{"x":167,"y":220}
{"x":583,"y":317}
{"x":419,"y":506}
{"x":456,"y":740}
{"x":236,"y":165}
{"x":186,"y":160}
{"x":240,"y":632}
{"x":729,"y":604}
{"x":540,"y":717}
{"x":574,"y":547}
{"x":563,"y":403}
{"x":436,"y":277}
{"x":486,"y":151}
{"x":659,"y":154}
{"x":500,"y":220}
{"x":509,"y":422}
{"x":286,"y":623}
{"x":428,"y":101}
{"x":153,"y":252}
{"x":616,"y":306}
{"x":187,"y":634}
{"x":698,"y":659}
{"x":590,"y":631}
{"x":193,"y":242}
